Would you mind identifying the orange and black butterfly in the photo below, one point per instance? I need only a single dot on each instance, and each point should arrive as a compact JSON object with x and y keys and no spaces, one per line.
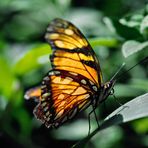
{"x":75,"y":80}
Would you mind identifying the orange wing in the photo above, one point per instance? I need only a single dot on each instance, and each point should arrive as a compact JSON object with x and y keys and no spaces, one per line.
{"x":75,"y":79}
{"x":33,"y":93}
{"x":72,"y":52}
{"x":63,"y":96}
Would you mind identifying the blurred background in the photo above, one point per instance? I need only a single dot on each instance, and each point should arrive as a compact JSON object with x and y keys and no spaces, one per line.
{"x":110,"y":26}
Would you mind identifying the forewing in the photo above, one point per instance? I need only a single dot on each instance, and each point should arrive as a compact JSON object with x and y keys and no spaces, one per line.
{"x":72,"y":51}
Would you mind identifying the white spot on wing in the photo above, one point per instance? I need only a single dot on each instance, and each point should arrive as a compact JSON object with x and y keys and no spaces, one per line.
{"x":69,"y":78}
{"x":43,"y":86}
{"x":51,"y":73}
{"x":94,"y":88}
{"x":47,"y":113}
{"x":57,"y":72}
{"x":75,"y":74}
{"x":43,"y":104}
{"x":46,"y":108}
{"x":91,"y":82}
{"x":83,"y":81}
{"x":46,"y":78}
{"x":46,"y":95}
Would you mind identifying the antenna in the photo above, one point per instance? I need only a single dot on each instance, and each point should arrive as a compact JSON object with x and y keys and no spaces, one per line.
{"x":121,"y":75}
{"x":123,"y":64}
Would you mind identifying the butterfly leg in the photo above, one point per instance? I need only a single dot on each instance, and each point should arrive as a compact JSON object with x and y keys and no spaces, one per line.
{"x":96,"y":118}
{"x":112,"y":94}
{"x":89,"y":128}
{"x":93,"y":111}
{"x":117,"y":100}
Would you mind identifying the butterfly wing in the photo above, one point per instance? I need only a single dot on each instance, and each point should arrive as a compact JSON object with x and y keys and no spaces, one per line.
{"x":63,"y":96}
{"x":33,"y":93}
{"x":72,"y":51}
{"x":75,"y":78}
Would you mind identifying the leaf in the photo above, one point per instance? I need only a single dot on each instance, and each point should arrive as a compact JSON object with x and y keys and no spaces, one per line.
{"x":32,"y":59}
{"x":132,"y":20}
{"x":130,"y":47}
{"x":134,"y":109}
{"x":25,"y":26}
{"x":108,"y":138}
{"x":7,"y":79}
{"x":141,"y":125}
{"x":129,"y":111}
{"x":25,"y":122}
{"x":144,"y":26}
{"x":80,"y":17}
{"x":127,"y":32}
{"x":77,"y":128}
{"x":140,"y":84}
{"x":131,"y":90}
{"x":109,"y":42}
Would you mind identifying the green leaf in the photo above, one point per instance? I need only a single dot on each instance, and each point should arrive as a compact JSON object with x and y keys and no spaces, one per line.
{"x":132,"y":20}
{"x":134,"y":109}
{"x":144,"y":26}
{"x":108,"y":138}
{"x":25,"y":122}
{"x":108,"y":42}
{"x":130,"y":47}
{"x":140,"y":84}
{"x":141,"y":125}
{"x":77,"y":128}
{"x":95,"y":25}
{"x":7,"y":79}
{"x":34,"y":58}
{"x":130,"y":89}
{"x":127,"y":32}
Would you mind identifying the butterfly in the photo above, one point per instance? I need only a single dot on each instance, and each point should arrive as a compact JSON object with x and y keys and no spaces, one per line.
{"x":75,"y":80}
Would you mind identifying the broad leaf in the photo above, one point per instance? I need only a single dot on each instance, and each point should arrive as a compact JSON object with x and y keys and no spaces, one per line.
{"x":131,"y":47}
{"x":134,"y":109}
{"x":33,"y":59}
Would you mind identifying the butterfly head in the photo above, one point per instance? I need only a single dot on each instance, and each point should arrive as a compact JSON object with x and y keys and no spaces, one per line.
{"x":106,"y":90}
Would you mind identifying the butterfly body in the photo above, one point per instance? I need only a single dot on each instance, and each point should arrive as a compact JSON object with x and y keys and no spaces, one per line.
{"x":75,"y":81}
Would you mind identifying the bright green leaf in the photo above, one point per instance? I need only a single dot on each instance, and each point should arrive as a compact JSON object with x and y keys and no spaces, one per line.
{"x":130,"y":47}
{"x":109,"y":42}
{"x":34,"y":58}
{"x":141,"y":125}
{"x":7,"y":79}
{"x":144,"y":26}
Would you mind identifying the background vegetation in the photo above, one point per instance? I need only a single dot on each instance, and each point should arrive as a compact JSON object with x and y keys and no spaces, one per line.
{"x":116,"y":29}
